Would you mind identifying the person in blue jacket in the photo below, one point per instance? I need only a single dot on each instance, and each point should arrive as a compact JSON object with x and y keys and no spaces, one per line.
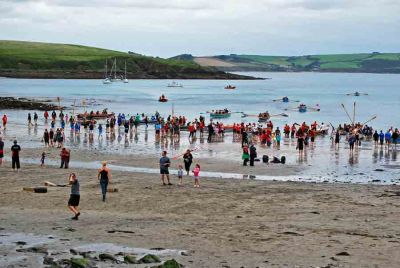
{"x":381,"y":138}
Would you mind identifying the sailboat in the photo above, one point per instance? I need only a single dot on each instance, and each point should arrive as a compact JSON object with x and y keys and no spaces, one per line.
{"x":125,"y":79}
{"x":106,"y":79}
{"x":114,"y":70}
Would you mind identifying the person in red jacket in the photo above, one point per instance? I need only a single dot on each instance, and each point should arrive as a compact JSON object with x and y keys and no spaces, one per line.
{"x":65,"y":156}
{"x":5,"y":119}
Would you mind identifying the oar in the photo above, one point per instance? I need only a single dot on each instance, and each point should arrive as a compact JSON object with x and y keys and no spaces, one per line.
{"x":354,"y":112}
{"x":315,"y":109}
{"x":250,"y":115}
{"x":374,"y":117}
{"x":346,"y":112}
{"x":282,"y":114}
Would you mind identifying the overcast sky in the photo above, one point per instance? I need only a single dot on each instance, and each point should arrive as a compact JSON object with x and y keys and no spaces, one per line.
{"x":208,"y":27}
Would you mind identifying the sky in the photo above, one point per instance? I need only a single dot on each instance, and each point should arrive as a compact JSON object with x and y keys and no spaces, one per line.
{"x":167,"y":28}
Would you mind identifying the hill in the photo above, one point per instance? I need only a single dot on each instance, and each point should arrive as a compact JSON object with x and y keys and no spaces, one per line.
{"x":45,"y":60}
{"x":362,"y":63}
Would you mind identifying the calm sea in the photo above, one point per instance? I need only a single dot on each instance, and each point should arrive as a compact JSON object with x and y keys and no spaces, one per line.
{"x":328,"y":90}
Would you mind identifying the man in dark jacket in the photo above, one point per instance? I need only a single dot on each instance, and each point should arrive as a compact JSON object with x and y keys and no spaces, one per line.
{"x":253,"y":154}
{"x":15,"y":155}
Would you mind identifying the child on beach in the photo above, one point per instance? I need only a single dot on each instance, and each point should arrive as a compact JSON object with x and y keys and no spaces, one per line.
{"x":42,"y":159}
{"x":196,"y":172}
{"x":180,"y":174}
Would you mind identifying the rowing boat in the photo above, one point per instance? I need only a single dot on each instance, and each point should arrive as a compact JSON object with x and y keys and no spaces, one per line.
{"x":95,"y":116}
{"x":220,"y":115}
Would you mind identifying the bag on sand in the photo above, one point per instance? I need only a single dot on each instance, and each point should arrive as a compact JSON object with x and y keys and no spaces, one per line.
{"x":265,"y":159}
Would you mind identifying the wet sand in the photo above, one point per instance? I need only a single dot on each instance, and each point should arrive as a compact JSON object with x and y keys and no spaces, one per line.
{"x":225,"y":223}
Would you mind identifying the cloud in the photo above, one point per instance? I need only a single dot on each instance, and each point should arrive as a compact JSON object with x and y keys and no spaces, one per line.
{"x":205,"y":27}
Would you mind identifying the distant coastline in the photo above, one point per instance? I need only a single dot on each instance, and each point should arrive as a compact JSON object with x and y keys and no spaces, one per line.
{"x":336,"y":63}
{"x":49,"y":74}
{"x":21,"y":59}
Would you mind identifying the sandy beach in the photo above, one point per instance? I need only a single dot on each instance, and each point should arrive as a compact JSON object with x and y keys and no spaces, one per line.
{"x":225,"y":223}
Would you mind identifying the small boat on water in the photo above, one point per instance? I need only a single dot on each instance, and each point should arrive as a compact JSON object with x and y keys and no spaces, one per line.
{"x":302,"y":108}
{"x":264,"y":117}
{"x":162,"y":98}
{"x":174,"y":84}
{"x":230,"y":87}
{"x":322,"y":130}
{"x":96,"y":115}
{"x":356,"y":94}
{"x":220,"y":114}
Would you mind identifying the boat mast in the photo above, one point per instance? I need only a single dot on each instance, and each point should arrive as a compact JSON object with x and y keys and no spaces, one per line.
{"x":106,"y":73}
{"x":125,"y":70}
{"x":115,"y":69}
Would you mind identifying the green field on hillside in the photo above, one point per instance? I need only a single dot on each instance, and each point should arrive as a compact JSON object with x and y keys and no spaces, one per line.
{"x":35,"y":59}
{"x":360,"y":62}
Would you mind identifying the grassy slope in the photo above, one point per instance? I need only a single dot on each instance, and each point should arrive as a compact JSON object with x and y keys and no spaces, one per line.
{"x":34,"y":57}
{"x":364,"y":62}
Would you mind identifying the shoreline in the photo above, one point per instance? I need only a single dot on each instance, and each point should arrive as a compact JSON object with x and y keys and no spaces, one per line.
{"x":100,"y":75}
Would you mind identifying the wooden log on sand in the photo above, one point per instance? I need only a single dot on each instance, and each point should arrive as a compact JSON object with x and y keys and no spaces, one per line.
{"x":40,"y":190}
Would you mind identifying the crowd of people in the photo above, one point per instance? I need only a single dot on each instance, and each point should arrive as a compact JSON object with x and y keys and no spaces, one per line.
{"x":249,"y":135}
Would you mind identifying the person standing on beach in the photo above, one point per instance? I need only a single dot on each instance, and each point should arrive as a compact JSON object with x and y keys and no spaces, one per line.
{"x":253,"y":154}
{"x":337,"y":138}
{"x":300,"y":142}
{"x":29,"y":119}
{"x":196,"y":173}
{"x":376,"y":137}
{"x":187,"y":159}
{"x":46,"y":138}
{"x":4,"y":119}
{"x":352,"y":141}
{"x":381,"y":137}
{"x":245,"y":155}
{"x":35,"y":117}
{"x":15,"y":149}
{"x":1,"y":150}
{"x":65,"y":155}
{"x":395,"y":137}
{"x":165,"y":162}
{"x":104,"y":176}
{"x":74,"y":198}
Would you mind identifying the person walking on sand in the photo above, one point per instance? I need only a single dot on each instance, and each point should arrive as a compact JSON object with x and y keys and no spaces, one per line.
{"x":165,"y":162}
{"x":15,"y":149}
{"x":74,"y":198}
{"x":1,"y":150}
{"x":42,"y":159}
{"x":104,"y":177}
{"x":187,"y":159}
{"x":196,"y":173}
